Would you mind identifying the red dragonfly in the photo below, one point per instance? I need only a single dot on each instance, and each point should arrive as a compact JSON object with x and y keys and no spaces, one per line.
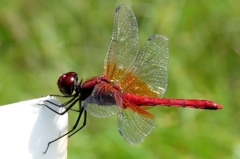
{"x":132,"y":82}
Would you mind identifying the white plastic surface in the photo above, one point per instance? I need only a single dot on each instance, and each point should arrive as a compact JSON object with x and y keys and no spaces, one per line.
{"x":26,"y":128}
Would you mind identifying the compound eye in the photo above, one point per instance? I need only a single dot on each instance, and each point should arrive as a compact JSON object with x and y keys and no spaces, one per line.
{"x":67,"y":83}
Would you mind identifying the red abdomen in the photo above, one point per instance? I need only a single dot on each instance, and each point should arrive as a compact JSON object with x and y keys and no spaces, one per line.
{"x":191,"y":103}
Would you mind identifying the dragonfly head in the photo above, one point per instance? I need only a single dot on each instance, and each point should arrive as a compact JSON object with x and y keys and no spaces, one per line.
{"x":67,"y":83}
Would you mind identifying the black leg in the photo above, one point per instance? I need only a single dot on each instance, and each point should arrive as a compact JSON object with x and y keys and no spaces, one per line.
{"x":63,"y":96}
{"x":66,"y":103}
{"x":62,"y":105}
{"x":67,"y":109}
{"x":74,"y":127}
{"x":84,"y":123}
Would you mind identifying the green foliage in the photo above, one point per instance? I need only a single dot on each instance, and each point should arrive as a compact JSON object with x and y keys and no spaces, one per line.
{"x":40,"y":40}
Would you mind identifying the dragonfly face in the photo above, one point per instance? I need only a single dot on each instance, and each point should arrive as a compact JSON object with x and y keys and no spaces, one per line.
{"x":68,"y":83}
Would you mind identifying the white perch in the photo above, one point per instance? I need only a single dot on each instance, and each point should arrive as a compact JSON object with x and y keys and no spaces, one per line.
{"x":26,"y":129}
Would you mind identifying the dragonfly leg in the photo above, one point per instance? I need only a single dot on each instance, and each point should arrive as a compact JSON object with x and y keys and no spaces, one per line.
{"x":84,"y":123}
{"x":72,"y":101}
{"x":74,"y":127}
{"x":62,"y":96}
{"x":67,"y":109}
{"x":64,"y":104}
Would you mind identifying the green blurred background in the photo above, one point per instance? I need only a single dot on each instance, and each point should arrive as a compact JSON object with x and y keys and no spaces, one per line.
{"x":40,"y":40}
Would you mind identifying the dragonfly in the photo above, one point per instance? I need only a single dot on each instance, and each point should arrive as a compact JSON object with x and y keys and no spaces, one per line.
{"x":133,"y":81}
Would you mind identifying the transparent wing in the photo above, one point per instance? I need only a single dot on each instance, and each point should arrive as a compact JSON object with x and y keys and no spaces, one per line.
{"x":134,"y":123}
{"x":123,"y":45}
{"x":104,"y":101}
{"x":148,"y":74}
{"x":142,"y":73}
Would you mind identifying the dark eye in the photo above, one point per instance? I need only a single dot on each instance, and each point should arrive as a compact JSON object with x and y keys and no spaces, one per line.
{"x":67,"y":83}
